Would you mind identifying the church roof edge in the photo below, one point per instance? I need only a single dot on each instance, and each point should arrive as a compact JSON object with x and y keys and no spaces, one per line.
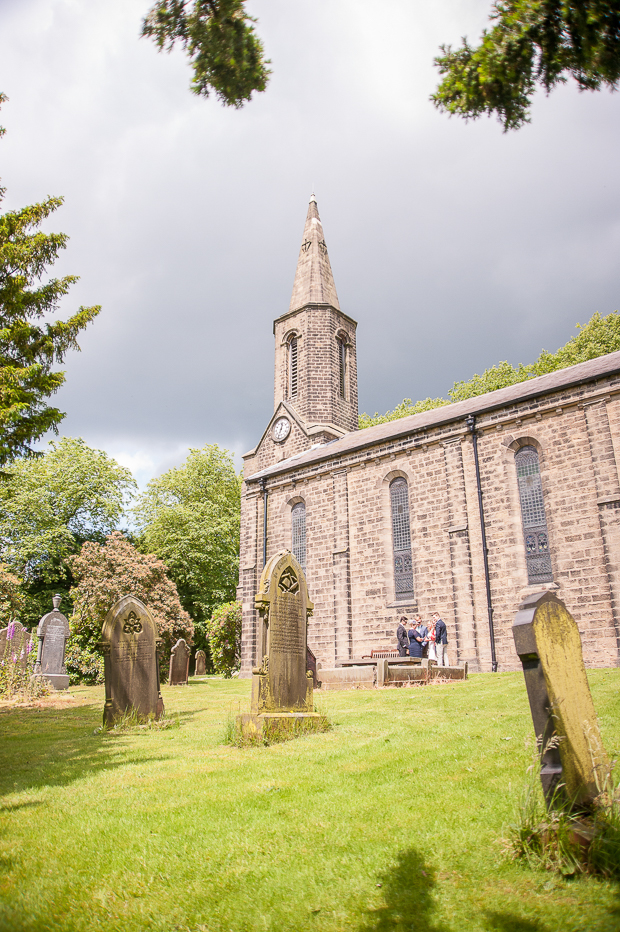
{"x":541,"y":385}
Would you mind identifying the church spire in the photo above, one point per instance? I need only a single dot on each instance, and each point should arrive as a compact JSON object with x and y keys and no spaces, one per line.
{"x":314,"y":282}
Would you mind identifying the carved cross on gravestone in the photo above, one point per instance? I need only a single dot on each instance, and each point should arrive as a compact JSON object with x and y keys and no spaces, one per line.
{"x":130,"y":645}
{"x":179,"y":664}
{"x":548,"y":643}
{"x":53,"y":633}
{"x":201,"y":663}
{"x":282,"y":683}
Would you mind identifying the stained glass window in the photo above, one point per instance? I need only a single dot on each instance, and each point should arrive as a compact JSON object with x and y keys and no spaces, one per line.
{"x":298,"y":543}
{"x":533,"y":516}
{"x":401,"y":539}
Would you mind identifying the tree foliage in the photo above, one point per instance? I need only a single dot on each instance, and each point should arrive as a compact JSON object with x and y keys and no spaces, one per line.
{"x":49,"y":506}
{"x":531,"y":42}
{"x":226,"y":54}
{"x":599,"y":336}
{"x":103,"y":574}
{"x":29,"y":348}
{"x":11,"y":597}
{"x":224,"y":632}
{"x":189,"y":517}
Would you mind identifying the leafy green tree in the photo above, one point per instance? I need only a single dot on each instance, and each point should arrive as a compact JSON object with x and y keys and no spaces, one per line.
{"x":531,"y":42}
{"x":51,"y":504}
{"x":599,"y":336}
{"x":189,"y":517}
{"x":29,"y":348}
{"x":224,"y":632}
{"x":219,"y":37}
{"x":103,"y":574}
{"x":11,"y":597}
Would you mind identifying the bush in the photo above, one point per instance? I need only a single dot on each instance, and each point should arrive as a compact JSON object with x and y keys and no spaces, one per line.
{"x":224,"y":631}
{"x":104,"y":574}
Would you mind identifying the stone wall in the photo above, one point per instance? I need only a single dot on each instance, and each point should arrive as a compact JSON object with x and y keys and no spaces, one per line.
{"x":576,"y":431}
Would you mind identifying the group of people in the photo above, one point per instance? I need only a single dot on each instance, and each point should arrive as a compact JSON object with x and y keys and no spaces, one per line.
{"x":421,"y":640}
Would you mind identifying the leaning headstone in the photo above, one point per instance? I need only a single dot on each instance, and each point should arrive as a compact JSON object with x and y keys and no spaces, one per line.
{"x":53,"y":633}
{"x":15,"y":643}
{"x":130,"y":646}
{"x":282,"y":688}
{"x":201,"y":663}
{"x":548,"y":643}
{"x":179,"y":664}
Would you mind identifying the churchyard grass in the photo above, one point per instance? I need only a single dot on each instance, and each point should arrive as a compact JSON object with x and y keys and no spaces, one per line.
{"x":395,"y":819}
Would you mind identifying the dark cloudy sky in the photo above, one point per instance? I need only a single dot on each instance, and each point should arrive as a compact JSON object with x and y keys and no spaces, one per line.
{"x":453,"y":245}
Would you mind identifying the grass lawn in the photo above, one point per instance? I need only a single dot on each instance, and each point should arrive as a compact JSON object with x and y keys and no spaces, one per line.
{"x":391,"y":821}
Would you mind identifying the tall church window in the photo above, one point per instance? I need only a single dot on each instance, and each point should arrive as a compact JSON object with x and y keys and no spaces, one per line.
{"x":292,"y":367}
{"x":534,"y":519}
{"x":342,"y":367}
{"x":401,"y":539}
{"x":298,"y":542}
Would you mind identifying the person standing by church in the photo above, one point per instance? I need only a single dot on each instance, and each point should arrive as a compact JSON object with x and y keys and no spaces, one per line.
{"x":401,"y":637}
{"x":417,"y":638}
{"x":441,"y":640}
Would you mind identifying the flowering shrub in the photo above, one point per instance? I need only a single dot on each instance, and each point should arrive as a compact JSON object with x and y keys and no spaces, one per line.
{"x":104,"y":573}
{"x":11,"y":596}
{"x":224,"y":631}
{"x":16,"y":663}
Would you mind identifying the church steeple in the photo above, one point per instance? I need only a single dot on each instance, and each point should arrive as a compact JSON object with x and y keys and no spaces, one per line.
{"x":315,"y":364}
{"x":314,"y":282}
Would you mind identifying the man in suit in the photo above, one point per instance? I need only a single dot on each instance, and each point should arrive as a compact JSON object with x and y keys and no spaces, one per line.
{"x":441,"y":641}
{"x":402,"y":637}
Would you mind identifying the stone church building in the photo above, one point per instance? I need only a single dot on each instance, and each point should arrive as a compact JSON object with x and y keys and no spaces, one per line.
{"x":398,"y":518}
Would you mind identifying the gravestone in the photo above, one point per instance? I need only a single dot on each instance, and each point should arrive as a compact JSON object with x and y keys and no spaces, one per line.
{"x":130,"y":646}
{"x":53,"y":632}
{"x":282,"y":687}
{"x":201,"y":663}
{"x":15,"y":643}
{"x":548,"y":643}
{"x":179,"y":664}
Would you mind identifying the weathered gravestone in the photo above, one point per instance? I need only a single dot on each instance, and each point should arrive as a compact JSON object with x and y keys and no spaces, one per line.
{"x":282,"y":693}
{"x":53,"y":633}
{"x":201,"y":663}
{"x":549,"y":645}
{"x":15,"y":644}
{"x":130,"y":646}
{"x":179,"y":664}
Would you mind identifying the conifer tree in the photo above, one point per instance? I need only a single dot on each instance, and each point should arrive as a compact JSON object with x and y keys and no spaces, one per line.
{"x":29,"y":345}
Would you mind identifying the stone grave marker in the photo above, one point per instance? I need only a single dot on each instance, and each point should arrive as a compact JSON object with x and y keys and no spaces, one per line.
{"x":282,"y":687}
{"x":201,"y":663}
{"x":130,"y":646}
{"x":53,"y":632}
{"x":14,"y":642}
{"x":548,"y":643}
{"x":179,"y":664}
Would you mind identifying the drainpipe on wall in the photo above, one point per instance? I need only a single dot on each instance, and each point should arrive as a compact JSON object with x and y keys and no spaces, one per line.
{"x":263,"y":488}
{"x":471,"y":423}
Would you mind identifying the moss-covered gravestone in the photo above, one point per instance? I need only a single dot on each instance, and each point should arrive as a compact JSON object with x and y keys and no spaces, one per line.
{"x":15,"y":641}
{"x":201,"y":663}
{"x":53,"y":633}
{"x":282,"y":694}
{"x":549,"y":645}
{"x":179,"y":664}
{"x":130,"y":646}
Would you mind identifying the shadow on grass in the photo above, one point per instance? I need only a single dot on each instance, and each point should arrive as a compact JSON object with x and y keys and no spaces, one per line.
{"x":408,"y":898}
{"x":55,"y":747}
{"x":508,"y":922}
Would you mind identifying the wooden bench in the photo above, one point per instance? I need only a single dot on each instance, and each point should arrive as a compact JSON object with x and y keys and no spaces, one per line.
{"x":386,"y":653}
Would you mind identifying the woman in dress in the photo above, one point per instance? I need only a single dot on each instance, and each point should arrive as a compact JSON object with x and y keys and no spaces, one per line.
{"x":432,"y":647}
{"x":416,"y":639}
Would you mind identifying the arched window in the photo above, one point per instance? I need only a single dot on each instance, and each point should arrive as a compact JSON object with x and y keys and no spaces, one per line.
{"x":535,"y":534}
{"x":342,"y":368}
{"x":292,"y":367}
{"x":401,"y":539}
{"x":298,"y":533}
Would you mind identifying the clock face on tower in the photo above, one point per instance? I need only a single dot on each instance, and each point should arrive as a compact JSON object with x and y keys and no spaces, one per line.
{"x":281,"y":429}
